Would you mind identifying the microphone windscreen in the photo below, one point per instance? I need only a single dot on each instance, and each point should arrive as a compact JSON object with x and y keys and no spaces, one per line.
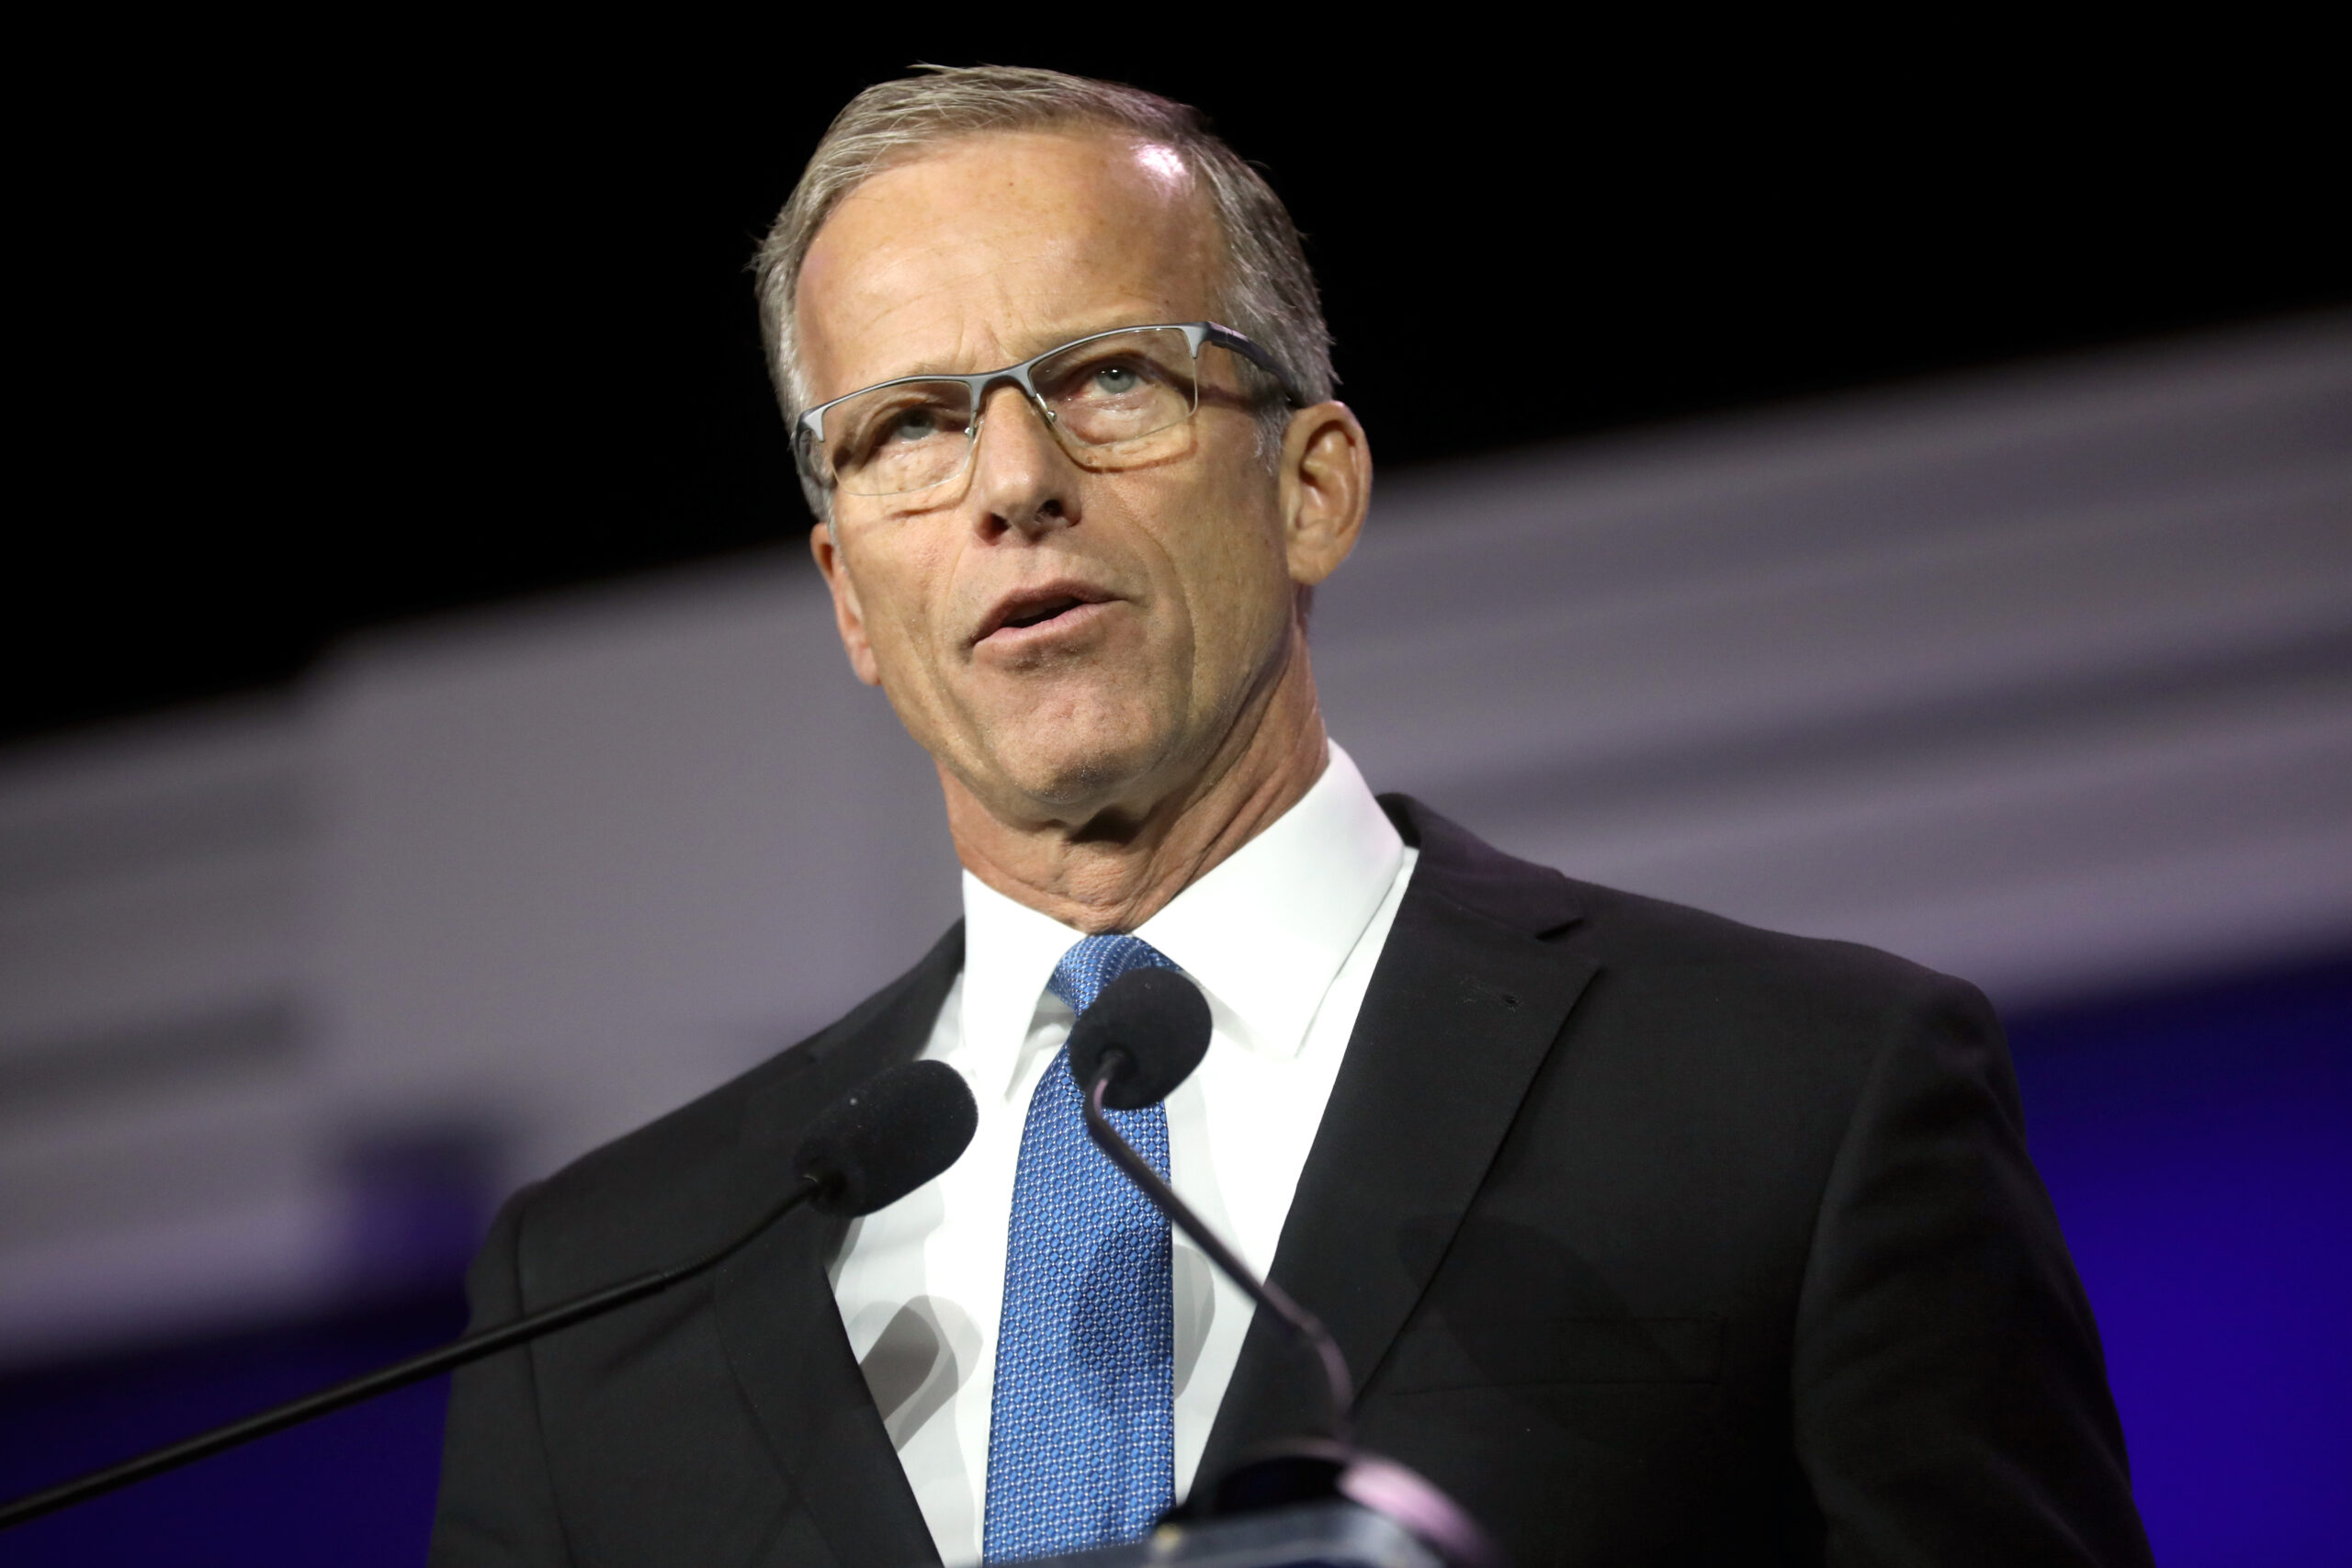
{"x":1159,"y":1018}
{"x":887,"y":1137}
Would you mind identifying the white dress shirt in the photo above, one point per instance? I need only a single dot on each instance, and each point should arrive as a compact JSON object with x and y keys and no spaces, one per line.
{"x":1282,"y":936}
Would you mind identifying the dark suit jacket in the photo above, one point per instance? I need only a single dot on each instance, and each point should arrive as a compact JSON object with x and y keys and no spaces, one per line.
{"x":1651,"y":1237}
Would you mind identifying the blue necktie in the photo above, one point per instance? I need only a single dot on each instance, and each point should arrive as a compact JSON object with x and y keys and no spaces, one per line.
{"x":1082,"y":1429}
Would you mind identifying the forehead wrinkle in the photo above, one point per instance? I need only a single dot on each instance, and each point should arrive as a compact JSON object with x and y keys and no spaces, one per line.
{"x":1019,"y":321}
{"x":1008,"y":273}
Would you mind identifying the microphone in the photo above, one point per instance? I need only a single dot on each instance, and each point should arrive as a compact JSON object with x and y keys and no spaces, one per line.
{"x":866,"y":1150}
{"x":881,"y":1141}
{"x":1144,"y":1036}
{"x":1146,"y":1033}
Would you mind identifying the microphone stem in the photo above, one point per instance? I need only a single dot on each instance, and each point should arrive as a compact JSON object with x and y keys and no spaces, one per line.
{"x":1339,"y":1388}
{"x":447,"y":1358}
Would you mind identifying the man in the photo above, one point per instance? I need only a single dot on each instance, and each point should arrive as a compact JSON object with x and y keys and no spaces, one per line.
{"x":1648,"y":1236}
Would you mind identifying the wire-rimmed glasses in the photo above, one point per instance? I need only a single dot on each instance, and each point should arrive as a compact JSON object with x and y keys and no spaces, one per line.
{"x":1117,"y":399}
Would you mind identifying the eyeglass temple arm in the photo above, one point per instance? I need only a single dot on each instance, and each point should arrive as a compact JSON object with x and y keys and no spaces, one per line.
{"x":1226,"y":337}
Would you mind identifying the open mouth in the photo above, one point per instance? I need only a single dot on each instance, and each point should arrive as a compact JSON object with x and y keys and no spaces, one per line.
{"x":1048,"y":610}
{"x":1038,"y":607}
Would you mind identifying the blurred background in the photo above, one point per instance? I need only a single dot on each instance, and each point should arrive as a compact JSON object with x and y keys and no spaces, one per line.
{"x":1897,"y":489}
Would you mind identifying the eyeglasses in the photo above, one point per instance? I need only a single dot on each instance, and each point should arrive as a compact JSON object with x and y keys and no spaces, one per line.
{"x":1114,"y":399}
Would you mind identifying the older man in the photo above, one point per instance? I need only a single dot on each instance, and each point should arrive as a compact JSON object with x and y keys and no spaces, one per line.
{"x":1650,"y":1237}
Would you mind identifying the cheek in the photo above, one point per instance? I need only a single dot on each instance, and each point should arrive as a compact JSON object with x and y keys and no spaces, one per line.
{"x":896,"y":592}
{"x":1241,"y":567}
{"x":910,"y":578}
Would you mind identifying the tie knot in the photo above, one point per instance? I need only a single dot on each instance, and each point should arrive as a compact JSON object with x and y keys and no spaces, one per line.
{"x":1095,"y":962}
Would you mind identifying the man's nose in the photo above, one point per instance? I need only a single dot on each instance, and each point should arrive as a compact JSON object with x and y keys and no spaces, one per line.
{"x":1020,"y":477}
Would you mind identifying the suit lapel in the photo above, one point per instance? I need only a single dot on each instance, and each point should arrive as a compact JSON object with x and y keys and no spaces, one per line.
{"x":776,"y":1314}
{"x":1462,"y":1009}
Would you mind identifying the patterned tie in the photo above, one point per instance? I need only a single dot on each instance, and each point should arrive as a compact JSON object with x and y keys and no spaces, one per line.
{"x":1081,"y":1431}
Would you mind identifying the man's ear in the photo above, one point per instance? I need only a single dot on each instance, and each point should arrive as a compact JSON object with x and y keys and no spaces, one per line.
{"x":848,"y":618}
{"x":1326,"y":489}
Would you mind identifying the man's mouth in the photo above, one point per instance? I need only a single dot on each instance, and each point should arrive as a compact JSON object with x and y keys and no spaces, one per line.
{"x":1045,"y":612}
{"x":1042,"y":606}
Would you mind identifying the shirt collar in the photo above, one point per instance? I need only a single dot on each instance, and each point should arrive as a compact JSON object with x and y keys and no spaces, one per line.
{"x":1265,"y":932}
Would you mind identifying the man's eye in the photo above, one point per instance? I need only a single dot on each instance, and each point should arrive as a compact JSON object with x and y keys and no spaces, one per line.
{"x":913,"y":424}
{"x":1115,"y":380}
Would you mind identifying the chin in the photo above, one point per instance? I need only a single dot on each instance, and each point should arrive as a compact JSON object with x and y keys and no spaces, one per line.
{"x":1076,"y":744}
{"x":1080,"y":783}
{"x":1080,"y":768}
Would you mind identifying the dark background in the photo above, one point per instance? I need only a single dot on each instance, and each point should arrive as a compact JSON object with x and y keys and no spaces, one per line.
{"x":323,"y":329}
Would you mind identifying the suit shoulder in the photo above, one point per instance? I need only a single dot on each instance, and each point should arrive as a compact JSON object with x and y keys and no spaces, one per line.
{"x":1631,"y":932}
{"x":1635,"y":929}
{"x":680,"y":1175}
{"x":1816,"y":1016}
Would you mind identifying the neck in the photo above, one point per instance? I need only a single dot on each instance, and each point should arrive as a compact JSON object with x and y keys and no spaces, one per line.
{"x":1111,"y":872}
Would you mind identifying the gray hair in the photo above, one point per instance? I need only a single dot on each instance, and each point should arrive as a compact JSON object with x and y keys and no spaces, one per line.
{"x":1267,"y":294}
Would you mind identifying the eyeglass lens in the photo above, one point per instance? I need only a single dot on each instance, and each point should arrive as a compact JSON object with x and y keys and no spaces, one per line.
{"x":1108,"y":395}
